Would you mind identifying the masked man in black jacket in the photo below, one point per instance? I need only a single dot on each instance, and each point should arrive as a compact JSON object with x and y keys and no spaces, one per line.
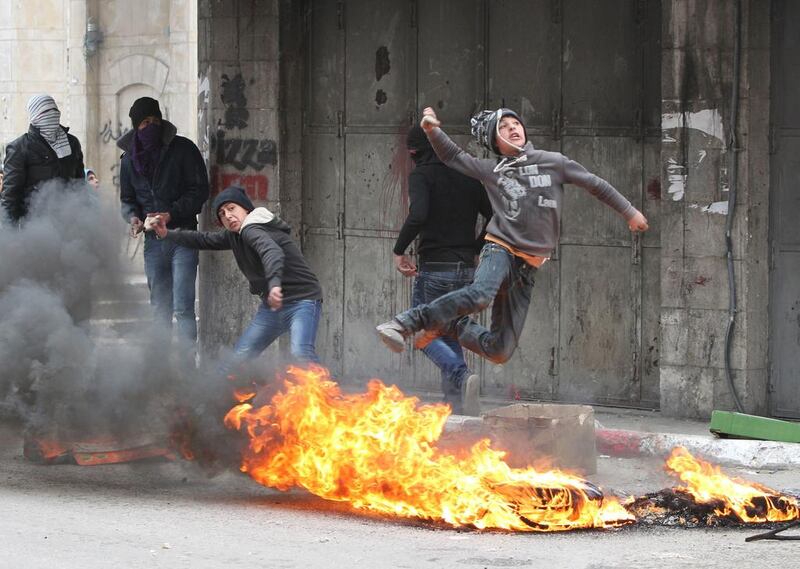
{"x":443,"y":213}
{"x":275,"y":268}
{"x":46,"y":152}
{"x":162,"y":173}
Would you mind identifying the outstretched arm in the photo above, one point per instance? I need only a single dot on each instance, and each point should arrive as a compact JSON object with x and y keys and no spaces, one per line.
{"x":211,"y":240}
{"x":575,"y":173}
{"x":447,"y":150}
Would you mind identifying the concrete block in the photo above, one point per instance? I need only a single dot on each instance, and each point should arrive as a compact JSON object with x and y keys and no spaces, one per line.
{"x":698,"y":23}
{"x":751,"y":388}
{"x":672,"y":275}
{"x":258,"y":38}
{"x":674,"y":337}
{"x":696,"y":76}
{"x":562,"y":436}
{"x":705,"y":282}
{"x":6,"y":67}
{"x":687,"y":391}
{"x":705,"y":233}
{"x":224,"y":45}
{"x":42,"y":15}
{"x":260,"y":81}
{"x":706,"y":340}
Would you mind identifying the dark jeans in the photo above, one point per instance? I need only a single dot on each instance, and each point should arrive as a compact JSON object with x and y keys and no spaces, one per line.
{"x":445,"y":351}
{"x":171,"y":273}
{"x":501,"y":277}
{"x":300,"y":318}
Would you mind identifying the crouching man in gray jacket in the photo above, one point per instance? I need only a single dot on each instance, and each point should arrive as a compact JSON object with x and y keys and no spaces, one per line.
{"x":525,"y":187}
{"x":275,"y":268}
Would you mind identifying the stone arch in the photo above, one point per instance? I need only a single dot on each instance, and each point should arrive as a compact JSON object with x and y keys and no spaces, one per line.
{"x":139,"y":68}
{"x":135,"y":76}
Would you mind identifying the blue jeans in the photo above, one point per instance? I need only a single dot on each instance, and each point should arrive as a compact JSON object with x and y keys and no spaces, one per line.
{"x":171,"y":273}
{"x":501,"y":277}
{"x":445,"y":351}
{"x":300,"y":318}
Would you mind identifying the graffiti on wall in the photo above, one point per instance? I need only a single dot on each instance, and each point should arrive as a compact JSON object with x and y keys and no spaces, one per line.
{"x":235,"y":101}
{"x":109,"y":134}
{"x":241,"y":161}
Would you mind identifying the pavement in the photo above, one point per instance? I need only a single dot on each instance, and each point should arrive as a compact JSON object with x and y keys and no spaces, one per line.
{"x":622,"y":433}
{"x":171,"y":514}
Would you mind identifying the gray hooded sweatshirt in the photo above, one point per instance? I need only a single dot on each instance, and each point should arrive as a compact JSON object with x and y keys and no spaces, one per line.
{"x":527,"y":191}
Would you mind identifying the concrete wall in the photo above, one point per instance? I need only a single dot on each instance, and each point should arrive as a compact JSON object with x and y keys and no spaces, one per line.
{"x":40,"y":39}
{"x":697,"y":73}
{"x":250,"y":97}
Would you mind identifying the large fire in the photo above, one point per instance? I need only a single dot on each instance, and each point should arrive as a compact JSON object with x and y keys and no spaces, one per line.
{"x":745,"y":501}
{"x":377,"y":451}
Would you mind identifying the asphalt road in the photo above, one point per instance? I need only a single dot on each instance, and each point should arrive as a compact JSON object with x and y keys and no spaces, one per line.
{"x":165,"y":514}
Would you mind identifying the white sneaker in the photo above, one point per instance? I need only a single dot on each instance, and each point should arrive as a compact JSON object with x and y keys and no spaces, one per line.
{"x":470,"y":395}
{"x":393,"y":335}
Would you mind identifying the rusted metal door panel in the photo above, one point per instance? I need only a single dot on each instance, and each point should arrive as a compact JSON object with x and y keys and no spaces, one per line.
{"x":648,"y":353}
{"x":325,"y":254}
{"x":451,"y":58}
{"x":381,"y":62}
{"x":325,"y":64}
{"x":376,"y":176}
{"x":322,"y":195}
{"x":387,"y":51}
{"x":650,"y":252}
{"x":785,"y":205}
{"x":650,"y":35}
{"x":585,"y":220}
{"x":374,"y":290}
{"x":602,"y":64}
{"x":596,"y":329}
{"x":525,"y":59}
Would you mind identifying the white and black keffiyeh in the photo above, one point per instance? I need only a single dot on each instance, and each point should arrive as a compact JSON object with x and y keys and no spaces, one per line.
{"x":43,"y":113}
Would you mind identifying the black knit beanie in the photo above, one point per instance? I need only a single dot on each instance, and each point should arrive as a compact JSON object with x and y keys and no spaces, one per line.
{"x":484,"y":127}
{"x":142,"y":108}
{"x":235,"y":194}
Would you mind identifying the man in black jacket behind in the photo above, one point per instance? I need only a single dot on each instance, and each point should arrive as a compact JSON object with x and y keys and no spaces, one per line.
{"x":275,"y":268}
{"x":443,"y":211}
{"x":162,"y":173}
{"x":47,"y":151}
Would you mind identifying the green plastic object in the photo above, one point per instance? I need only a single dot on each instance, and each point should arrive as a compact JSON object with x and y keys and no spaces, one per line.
{"x":741,"y":426}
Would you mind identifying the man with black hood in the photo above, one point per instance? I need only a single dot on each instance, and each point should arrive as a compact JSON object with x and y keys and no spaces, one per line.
{"x":526,"y":188}
{"x":275,"y":268}
{"x":443,"y":211}
{"x":46,"y":152}
{"x":163,"y":173}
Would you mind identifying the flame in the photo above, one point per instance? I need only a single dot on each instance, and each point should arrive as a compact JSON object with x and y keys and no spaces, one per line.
{"x":377,"y":451}
{"x":748,"y":502}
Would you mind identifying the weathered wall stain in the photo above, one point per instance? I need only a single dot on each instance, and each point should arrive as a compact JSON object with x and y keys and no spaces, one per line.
{"x":654,"y":189}
{"x":382,"y":63}
{"x":380,"y":97}
{"x":235,"y":101}
{"x":243,"y":153}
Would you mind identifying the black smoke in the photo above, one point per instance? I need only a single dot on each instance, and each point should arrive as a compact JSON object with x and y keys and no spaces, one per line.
{"x":61,"y":375}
